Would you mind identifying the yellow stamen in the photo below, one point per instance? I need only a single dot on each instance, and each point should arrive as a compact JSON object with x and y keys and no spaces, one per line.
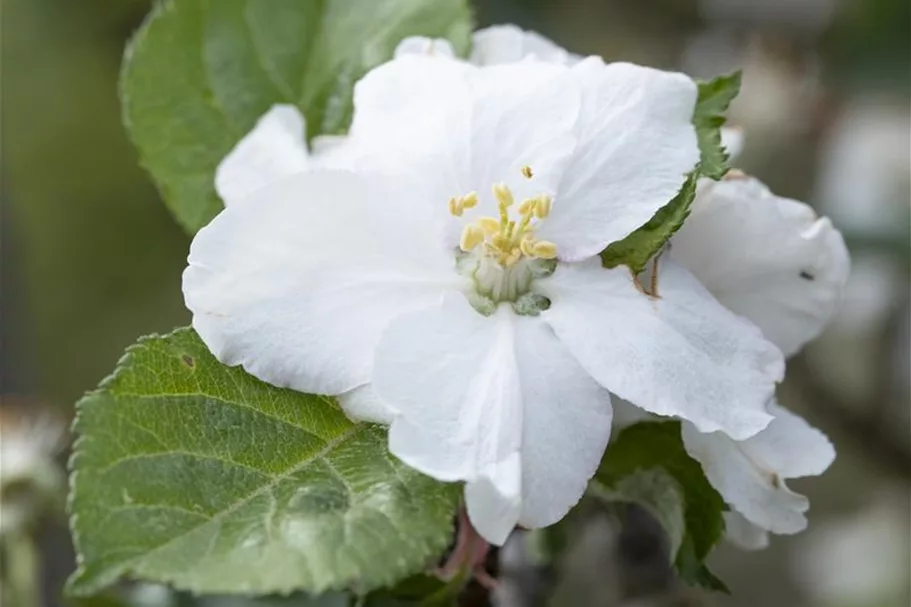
{"x":455,"y":207}
{"x":527,"y":205}
{"x":544,"y":249}
{"x":527,"y":172}
{"x":470,"y":200}
{"x":543,"y":204}
{"x":490,"y":225}
{"x":527,"y":246}
{"x":503,"y":195}
{"x":472,"y":236}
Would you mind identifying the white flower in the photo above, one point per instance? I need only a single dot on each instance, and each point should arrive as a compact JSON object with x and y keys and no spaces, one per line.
{"x":773,"y":261}
{"x":770,"y":260}
{"x":452,"y":284}
{"x":30,"y":479}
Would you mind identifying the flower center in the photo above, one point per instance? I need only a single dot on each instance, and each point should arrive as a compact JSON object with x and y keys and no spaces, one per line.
{"x":501,"y":254}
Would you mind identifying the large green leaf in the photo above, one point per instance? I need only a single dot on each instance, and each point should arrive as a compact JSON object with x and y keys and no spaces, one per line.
{"x":199,"y":73}
{"x":198,"y":475}
{"x":630,"y":472}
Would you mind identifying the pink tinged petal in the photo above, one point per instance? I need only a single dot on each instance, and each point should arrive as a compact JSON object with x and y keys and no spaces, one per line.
{"x":751,"y":474}
{"x":681,"y":355}
{"x":744,"y":534}
{"x":769,"y":259}
{"x":420,"y":45}
{"x":274,"y":149}
{"x":508,"y":44}
{"x":364,"y":405}
{"x":566,"y":425}
{"x":636,"y":143}
{"x":298,"y":287}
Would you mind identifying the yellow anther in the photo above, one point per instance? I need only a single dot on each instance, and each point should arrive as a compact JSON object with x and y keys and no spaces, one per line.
{"x":544,"y":249}
{"x":503,"y":195}
{"x":528,"y":205}
{"x":500,"y":241}
{"x":527,"y":172}
{"x":472,"y":236}
{"x":543,"y":204}
{"x":470,"y":200}
{"x":526,"y":245}
{"x":455,"y":207}
{"x":490,"y":225}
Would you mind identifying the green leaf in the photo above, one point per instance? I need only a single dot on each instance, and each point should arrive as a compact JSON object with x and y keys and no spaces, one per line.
{"x":656,"y":491}
{"x":638,"y":248}
{"x":195,"y":474}
{"x":715,"y":96}
{"x":198,"y":75}
{"x":632,"y":458}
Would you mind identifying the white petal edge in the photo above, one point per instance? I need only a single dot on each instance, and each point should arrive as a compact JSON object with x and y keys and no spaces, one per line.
{"x":275,"y":148}
{"x":750,"y":475}
{"x":680,"y":355}
{"x":744,"y":534}
{"x":767,"y":258}
{"x":500,"y":44}
{"x":299,"y":286}
{"x":421,"y":45}
{"x":636,"y":143}
{"x":364,"y":405}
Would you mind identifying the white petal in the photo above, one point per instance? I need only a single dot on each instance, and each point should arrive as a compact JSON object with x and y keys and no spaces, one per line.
{"x":682,"y":354}
{"x":636,"y":144}
{"x":498,"y":402}
{"x":364,"y":405}
{"x":274,"y":149}
{"x":756,"y":491}
{"x":566,"y":425}
{"x":298,"y":286}
{"x":744,"y":534}
{"x":509,"y":44}
{"x":451,"y":375}
{"x":456,"y":128}
{"x":732,"y":139}
{"x":627,"y":414}
{"x":790,"y":446}
{"x":420,"y":45}
{"x":494,"y":501}
{"x":767,"y":258}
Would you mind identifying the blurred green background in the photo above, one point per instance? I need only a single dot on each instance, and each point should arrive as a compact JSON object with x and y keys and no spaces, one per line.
{"x":91,"y":258}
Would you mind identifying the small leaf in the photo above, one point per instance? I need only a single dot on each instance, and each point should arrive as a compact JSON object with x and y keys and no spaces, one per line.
{"x":638,"y":248}
{"x":715,"y":96}
{"x":195,"y":474}
{"x":198,"y":75}
{"x":656,"y":491}
{"x":648,"y":446}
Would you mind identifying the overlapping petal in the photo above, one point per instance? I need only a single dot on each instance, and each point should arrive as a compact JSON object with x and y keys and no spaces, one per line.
{"x":298,"y":284}
{"x":636,"y":143}
{"x":751,"y":474}
{"x":500,"y":44}
{"x":496,"y":401}
{"x":767,"y":258}
{"x":681,"y":354}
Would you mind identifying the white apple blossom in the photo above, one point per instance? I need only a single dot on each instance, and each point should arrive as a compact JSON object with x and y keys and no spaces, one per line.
{"x":770,"y":260}
{"x":451,"y":285}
